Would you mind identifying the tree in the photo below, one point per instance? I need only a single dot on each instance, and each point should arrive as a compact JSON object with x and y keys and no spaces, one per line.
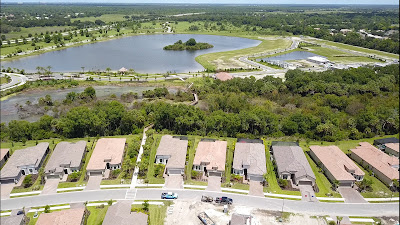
{"x":365,"y":184}
{"x":47,"y":209}
{"x":90,"y":92}
{"x":27,"y":181}
{"x":83,"y":69}
{"x":145,"y":205}
{"x":47,"y":38}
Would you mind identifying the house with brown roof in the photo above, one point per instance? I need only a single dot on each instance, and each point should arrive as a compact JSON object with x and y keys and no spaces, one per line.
{"x":108,"y":154}
{"x":392,"y":149}
{"x":4,"y":155}
{"x":223,"y":76}
{"x":336,"y":165}
{"x":23,"y":162}
{"x":120,"y":213}
{"x":293,"y":165}
{"x":65,"y":159}
{"x":68,"y":216}
{"x":384,"y":167}
{"x":172,"y":153}
{"x":249,"y":159}
{"x":210,"y":157}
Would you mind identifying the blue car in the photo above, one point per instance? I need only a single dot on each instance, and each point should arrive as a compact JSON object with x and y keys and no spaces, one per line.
{"x":169,"y":195}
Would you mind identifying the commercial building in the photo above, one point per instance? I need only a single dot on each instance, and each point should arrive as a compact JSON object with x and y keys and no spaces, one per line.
{"x":210,"y":157}
{"x":172,"y":153}
{"x":249,"y":159}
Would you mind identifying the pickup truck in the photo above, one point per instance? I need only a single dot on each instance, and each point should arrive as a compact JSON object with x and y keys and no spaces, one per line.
{"x":169,"y":195}
{"x":223,"y":200}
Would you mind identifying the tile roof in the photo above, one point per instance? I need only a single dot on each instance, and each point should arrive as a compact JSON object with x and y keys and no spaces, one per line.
{"x":393,"y":146}
{"x":175,"y":148}
{"x":11,"y":220}
{"x":252,"y":154}
{"x":213,"y":153}
{"x":292,"y":159}
{"x":378,"y":159}
{"x":338,"y":163}
{"x":120,"y":213}
{"x":107,"y":150}
{"x":28,"y":156}
{"x":63,"y":217}
{"x":3,"y":152}
{"x":223,"y":76}
{"x":240,"y":219}
{"x":66,"y":153}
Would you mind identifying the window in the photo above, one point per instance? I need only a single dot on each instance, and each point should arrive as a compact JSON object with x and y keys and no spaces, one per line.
{"x":30,"y":171}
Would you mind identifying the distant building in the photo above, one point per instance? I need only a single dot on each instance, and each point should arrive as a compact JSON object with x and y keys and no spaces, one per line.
{"x":223,"y":76}
{"x":4,"y":155}
{"x":69,"y":216}
{"x":23,"y":162}
{"x":123,"y":70}
{"x":210,"y":157}
{"x":172,"y":153}
{"x":318,"y":59}
{"x":345,"y":31}
{"x":65,"y":159}
{"x":249,"y":160}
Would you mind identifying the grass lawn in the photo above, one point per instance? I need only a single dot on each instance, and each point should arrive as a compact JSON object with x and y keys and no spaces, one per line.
{"x":229,"y":159}
{"x":150,"y":170}
{"x":105,"y":17}
{"x":240,"y":186}
{"x":195,"y":182}
{"x":157,"y":213}
{"x":4,"y":80}
{"x":32,"y":30}
{"x":340,"y":56}
{"x":97,"y":215}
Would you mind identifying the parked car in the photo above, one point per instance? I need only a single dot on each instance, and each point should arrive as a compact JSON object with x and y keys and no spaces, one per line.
{"x":223,"y":200}
{"x":206,"y":198}
{"x":169,"y":195}
{"x":20,"y":212}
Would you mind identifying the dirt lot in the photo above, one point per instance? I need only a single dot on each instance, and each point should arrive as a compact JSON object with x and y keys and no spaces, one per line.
{"x":185,"y":213}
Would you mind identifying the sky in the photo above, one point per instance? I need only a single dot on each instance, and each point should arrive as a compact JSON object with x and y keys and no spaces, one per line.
{"x":373,"y":2}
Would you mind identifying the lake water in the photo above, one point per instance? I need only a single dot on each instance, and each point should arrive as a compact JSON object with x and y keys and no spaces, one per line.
{"x":9,"y":110}
{"x":143,"y":53}
{"x":296,"y":55}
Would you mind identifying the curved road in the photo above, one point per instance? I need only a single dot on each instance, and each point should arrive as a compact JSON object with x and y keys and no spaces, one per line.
{"x":16,"y":80}
{"x":320,"y":208}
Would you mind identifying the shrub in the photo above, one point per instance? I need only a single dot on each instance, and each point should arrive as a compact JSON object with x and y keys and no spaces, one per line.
{"x":283,"y":183}
{"x":27,"y":181}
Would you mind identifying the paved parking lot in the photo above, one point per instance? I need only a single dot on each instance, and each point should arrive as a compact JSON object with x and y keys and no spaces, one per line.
{"x":174,"y":181}
{"x":51,"y":186}
{"x":6,"y":190}
{"x":351,"y":195}
{"x":214,"y":183}
{"x":94,"y":182}
{"x":256,"y":189}
{"x":307,"y":193}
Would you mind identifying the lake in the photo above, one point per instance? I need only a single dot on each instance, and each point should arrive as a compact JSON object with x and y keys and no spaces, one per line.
{"x":142,"y":53}
{"x":296,"y":55}
{"x":9,"y":110}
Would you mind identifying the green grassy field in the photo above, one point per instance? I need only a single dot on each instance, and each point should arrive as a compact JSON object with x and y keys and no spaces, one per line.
{"x":4,"y":80}
{"x":229,"y":158}
{"x":339,"y":56}
{"x":97,"y":215}
{"x":150,"y":170}
{"x":33,"y":30}
{"x":157,"y":213}
{"x":105,"y":17}
{"x":192,"y":151}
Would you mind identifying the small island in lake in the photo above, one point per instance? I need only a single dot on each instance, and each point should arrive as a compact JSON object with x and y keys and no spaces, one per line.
{"x":191,"y":44}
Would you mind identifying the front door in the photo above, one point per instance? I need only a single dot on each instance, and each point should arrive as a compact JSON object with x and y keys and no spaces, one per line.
{"x":245,"y":174}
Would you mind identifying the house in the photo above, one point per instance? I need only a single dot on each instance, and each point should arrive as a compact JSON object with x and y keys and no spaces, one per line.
{"x":69,"y":216}
{"x":249,"y":159}
{"x":292,"y":165}
{"x":13,"y":220}
{"x":108,"y":154}
{"x":392,"y":149}
{"x":123,"y":70}
{"x":223,"y":76}
{"x":384,"y":167}
{"x":65,"y":159}
{"x":210,"y":157}
{"x":23,"y":162}
{"x":345,"y":31}
{"x":240,"y":219}
{"x":4,"y":155}
{"x":380,"y":143}
{"x":172,"y":153}
{"x":120,"y":213}
{"x":284,"y":143}
{"x":336,"y":165}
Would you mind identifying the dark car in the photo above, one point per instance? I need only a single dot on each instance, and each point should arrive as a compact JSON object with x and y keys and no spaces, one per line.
{"x":223,"y":200}
{"x":20,"y":212}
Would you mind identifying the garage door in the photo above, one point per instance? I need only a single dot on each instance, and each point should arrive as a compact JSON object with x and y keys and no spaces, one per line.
{"x":304,"y":182}
{"x":345,"y":184}
{"x":7,"y":181}
{"x":174,"y":171}
{"x":95,"y":173}
{"x":256,"y":178}
{"x":218,"y":174}
{"x":53,"y":176}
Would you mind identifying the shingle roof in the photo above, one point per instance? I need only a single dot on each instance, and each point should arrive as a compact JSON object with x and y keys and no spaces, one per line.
{"x":378,"y":159}
{"x":28,"y":156}
{"x":11,"y":220}
{"x":66,"y":153}
{"x":386,"y":140}
{"x":239,"y":219}
{"x":393,"y":146}
{"x":175,"y":148}
{"x":107,"y":150}
{"x":63,"y":217}
{"x":120,"y":213}
{"x":252,"y":154}
{"x":212,"y":152}
{"x":223,"y":76}
{"x":3,"y":152}
{"x":292,"y":159}
{"x":336,"y":162}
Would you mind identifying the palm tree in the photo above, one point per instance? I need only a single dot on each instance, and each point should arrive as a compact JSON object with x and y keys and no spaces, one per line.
{"x":131,"y":71}
{"x":49,"y":70}
{"x":39,"y":69}
{"x":83,"y":69}
{"x":108,"y":69}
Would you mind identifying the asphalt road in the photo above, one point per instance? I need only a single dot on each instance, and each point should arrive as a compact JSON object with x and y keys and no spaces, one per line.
{"x":16,"y":80}
{"x":320,"y":208}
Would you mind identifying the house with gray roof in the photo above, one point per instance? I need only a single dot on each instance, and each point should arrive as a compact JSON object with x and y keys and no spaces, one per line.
{"x":13,"y":220}
{"x":249,"y":160}
{"x":172,"y":153}
{"x":120,"y":213}
{"x":4,"y":155}
{"x":292,"y":165}
{"x":240,"y":219}
{"x":66,"y":158}
{"x":23,"y":162}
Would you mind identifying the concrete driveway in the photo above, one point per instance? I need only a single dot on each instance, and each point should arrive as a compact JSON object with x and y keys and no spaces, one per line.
{"x":94,"y":182}
{"x":351,"y":195}
{"x":174,"y":181}
{"x":5,"y":190}
{"x":51,"y":186}
{"x":214,"y":183}
{"x":256,"y":189}
{"x":307,"y":193}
